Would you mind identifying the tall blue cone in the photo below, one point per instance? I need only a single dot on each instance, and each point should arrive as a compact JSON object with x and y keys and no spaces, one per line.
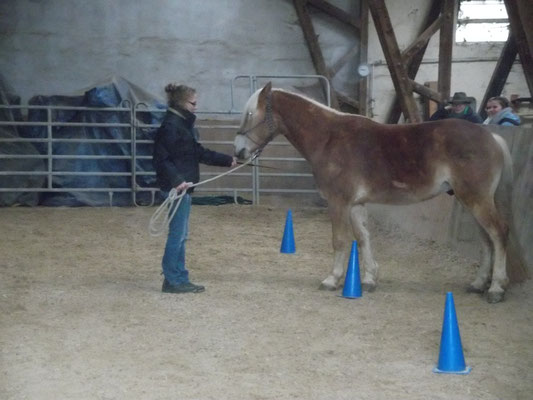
{"x":451,"y":358}
{"x":352,"y":281}
{"x":287,"y":244}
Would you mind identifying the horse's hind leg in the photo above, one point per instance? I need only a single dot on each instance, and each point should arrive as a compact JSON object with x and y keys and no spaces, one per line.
{"x":359,"y":218}
{"x":491,"y":221}
{"x":482,"y":280}
{"x":340,"y":224}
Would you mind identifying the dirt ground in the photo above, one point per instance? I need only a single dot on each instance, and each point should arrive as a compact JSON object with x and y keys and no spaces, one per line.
{"x":83,"y":316}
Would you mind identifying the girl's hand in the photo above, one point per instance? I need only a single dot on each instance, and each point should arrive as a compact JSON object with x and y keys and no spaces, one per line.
{"x":183,"y":186}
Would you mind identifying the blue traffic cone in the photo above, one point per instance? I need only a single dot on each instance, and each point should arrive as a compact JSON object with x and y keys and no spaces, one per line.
{"x":451,"y":358}
{"x":352,"y":281}
{"x":287,"y":244}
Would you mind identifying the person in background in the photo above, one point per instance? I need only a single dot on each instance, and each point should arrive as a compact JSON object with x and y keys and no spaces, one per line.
{"x":176,"y":158}
{"x":500,"y":113}
{"x":459,"y":107}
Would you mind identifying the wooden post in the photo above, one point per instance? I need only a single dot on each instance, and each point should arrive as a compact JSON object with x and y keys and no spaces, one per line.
{"x":430,"y":106}
{"x":500,"y":74}
{"x":520,"y":14}
{"x":363,"y":59}
{"x":414,"y":54}
{"x":447,"y":29}
{"x":397,"y":69}
{"x":313,"y":46}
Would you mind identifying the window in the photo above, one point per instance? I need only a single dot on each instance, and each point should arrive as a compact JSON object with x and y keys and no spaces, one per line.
{"x":482,"y":21}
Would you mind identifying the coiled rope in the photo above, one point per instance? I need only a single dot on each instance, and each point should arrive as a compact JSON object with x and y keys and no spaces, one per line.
{"x":165,"y":212}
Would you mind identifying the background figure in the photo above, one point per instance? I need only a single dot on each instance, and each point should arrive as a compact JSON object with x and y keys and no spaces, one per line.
{"x":459,"y":107}
{"x":500,"y":113}
{"x":176,"y":159}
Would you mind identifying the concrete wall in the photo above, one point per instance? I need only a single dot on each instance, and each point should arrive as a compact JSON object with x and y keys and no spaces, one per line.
{"x":52,"y":47}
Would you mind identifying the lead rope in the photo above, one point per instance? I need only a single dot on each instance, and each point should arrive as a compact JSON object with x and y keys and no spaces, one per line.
{"x":164,"y":213}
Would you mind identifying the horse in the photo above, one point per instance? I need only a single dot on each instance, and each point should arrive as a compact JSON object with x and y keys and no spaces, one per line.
{"x":356,"y":160}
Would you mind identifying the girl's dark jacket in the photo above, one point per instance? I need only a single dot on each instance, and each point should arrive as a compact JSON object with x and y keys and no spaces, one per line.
{"x":177,"y":153}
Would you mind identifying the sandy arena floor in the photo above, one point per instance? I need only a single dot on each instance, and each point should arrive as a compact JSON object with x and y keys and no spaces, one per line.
{"x":83,"y":317}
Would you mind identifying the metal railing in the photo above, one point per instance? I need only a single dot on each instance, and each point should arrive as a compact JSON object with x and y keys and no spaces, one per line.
{"x":46,"y":135}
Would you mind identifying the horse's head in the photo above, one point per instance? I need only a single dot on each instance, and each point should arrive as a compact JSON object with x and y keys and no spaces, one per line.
{"x":257,"y":124}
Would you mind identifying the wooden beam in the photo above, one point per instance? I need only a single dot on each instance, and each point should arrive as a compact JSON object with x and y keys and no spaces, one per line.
{"x":525,"y":9}
{"x":500,"y":73}
{"x":421,"y":42}
{"x":363,"y":58}
{"x":430,"y":106}
{"x":448,"y":15}
{"x":335,"y":68}
{"x":336,"y":13}
{"x":313,"y":46}
{"x":427,"y":92}
{"x":416,"y":59}
{"x":397,"y":69}
{"x":519,"y":11}
{"x":348,"y":100}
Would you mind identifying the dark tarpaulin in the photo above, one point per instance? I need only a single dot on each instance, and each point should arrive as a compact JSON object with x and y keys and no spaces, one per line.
{"x":117,"y":92}
{"x":8,"y":97}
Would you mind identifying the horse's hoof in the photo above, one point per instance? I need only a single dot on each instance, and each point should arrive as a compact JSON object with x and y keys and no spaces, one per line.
{"x":324,"y":286}
{"x":474,"y":289}
{"x":368,"y":287}
{"x":495,"y":297}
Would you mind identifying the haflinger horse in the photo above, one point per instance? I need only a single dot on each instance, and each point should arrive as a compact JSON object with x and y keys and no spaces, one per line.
{"x":356,"y":161}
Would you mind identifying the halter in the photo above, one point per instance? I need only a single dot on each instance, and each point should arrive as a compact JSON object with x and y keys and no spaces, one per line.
{"x":269,"y":120}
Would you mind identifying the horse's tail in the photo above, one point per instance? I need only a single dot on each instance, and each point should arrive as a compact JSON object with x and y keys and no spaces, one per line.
{"x":516,"y":264}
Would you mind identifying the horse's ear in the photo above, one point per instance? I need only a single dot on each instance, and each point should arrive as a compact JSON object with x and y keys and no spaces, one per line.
{"x":267,"y":89}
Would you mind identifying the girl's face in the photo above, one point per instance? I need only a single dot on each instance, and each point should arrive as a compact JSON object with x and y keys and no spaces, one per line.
{"x":493,"y":107}
{"x":190,"y":104}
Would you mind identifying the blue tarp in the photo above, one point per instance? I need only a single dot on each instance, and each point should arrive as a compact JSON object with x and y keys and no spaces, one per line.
{"x":116,"y":93}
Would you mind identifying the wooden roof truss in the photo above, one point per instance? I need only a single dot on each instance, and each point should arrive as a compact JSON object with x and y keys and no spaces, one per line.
{"x":403,"y":66}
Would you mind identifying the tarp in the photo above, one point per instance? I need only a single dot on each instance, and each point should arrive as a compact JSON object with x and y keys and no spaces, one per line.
{"x":8,"y":97}
{"x":116,"y":92}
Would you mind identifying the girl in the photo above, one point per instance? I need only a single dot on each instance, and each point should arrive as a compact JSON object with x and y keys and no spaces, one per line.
{"x":500,"y":113}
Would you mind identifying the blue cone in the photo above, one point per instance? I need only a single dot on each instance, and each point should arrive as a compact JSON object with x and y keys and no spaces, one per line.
{"x":287,"y":244}
{"x":352,"y":281}
{"x":451,"y":358}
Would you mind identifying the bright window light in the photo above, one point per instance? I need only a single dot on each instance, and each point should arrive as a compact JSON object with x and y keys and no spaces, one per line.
{"x":482,"y":21}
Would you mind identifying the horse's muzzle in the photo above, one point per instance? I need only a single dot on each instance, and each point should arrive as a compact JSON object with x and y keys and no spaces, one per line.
{"x":241,"y":154}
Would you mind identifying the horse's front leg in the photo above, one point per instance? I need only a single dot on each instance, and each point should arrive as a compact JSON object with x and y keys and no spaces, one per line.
{"x":341,"y":236}
{"x":359,"y":219}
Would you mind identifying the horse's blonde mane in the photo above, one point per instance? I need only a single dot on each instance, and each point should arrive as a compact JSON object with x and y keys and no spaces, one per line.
{"x":322,"y":106}
{"x":252,"y":102}
{"x":311,"y":100}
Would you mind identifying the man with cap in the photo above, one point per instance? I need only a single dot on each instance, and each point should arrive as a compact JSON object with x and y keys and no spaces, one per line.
{"x":459,"y":107}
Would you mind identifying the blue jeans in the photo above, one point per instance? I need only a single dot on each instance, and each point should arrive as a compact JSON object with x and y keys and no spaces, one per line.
{"x":174,"y":258}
